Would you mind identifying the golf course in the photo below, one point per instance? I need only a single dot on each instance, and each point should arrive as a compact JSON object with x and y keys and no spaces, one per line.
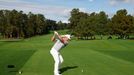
{"x":81,"y":57}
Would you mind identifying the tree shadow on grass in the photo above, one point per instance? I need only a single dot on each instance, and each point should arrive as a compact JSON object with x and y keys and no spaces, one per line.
{"x":16,"y":59}
{"x":9,"y":41}
{"x":62,"y":70}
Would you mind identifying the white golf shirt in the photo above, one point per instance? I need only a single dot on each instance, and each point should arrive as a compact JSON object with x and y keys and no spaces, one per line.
{"x":58,"y":45}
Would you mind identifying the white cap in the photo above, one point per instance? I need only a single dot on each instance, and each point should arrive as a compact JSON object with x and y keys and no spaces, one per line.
{"x":67,"y":35}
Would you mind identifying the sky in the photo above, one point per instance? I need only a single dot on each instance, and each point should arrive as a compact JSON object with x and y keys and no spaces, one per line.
{"x":59,"y":10}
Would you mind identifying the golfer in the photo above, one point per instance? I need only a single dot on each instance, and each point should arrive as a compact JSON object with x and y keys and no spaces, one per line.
{"x":60,"y":42}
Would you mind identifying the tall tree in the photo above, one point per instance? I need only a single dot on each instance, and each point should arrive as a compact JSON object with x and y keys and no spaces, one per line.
{"x":51,"y":24}
{"x":122,"y":23}
{"x":74,"y":19}
{"x":40,"y":24}
{"x":61,"y":25}
{"x":101,"y":22}
{"x":16,"y":24}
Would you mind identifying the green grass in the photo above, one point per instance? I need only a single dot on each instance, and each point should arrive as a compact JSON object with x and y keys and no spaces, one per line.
{"x":13,"y":57}
{"x":81,"y":57}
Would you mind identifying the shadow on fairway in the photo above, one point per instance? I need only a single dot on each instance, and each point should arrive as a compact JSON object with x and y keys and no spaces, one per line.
{"x":9,"y":41}
{"x":13,"y":60}
{"x":62,"y":70}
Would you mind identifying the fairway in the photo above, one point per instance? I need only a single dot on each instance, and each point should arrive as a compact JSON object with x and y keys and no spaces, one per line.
{"x":81,"y":57}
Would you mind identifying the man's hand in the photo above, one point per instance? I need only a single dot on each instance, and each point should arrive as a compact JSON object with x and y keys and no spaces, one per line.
{"x":55,"y":32}
{"x":58,"y":36}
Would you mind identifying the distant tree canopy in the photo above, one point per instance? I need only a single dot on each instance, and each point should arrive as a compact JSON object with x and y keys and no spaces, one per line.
{"x":85,"y":25}
{"x":122,"y":24}
{"x":16,"y":24}
{"x":53,"y":25}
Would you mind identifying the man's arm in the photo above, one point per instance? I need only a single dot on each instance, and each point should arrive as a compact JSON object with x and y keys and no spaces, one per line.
{"x":53,"y":38}
{"x":59,"y":36}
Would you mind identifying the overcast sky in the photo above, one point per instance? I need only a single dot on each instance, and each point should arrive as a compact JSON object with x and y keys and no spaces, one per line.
{"x":60,"y":9}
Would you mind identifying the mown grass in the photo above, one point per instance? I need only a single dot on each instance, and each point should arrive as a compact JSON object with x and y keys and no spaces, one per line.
{"x":81,"y":57}
{"x":13,"y":57}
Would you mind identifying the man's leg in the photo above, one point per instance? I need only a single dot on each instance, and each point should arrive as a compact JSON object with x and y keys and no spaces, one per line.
{"x":55,"y":55}
{"x":61,"y":58}
{"x":61,"y":61}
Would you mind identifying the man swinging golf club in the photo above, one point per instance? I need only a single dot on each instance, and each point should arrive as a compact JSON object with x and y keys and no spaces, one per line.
{"x":60,"y":42}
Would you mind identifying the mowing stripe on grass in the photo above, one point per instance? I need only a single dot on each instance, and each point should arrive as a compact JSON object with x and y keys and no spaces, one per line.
{"x":13,"y":57}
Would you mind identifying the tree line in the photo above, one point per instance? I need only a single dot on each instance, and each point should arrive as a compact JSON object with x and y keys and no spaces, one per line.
{"x":16,"y":24}
{"x":85,"y":25}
